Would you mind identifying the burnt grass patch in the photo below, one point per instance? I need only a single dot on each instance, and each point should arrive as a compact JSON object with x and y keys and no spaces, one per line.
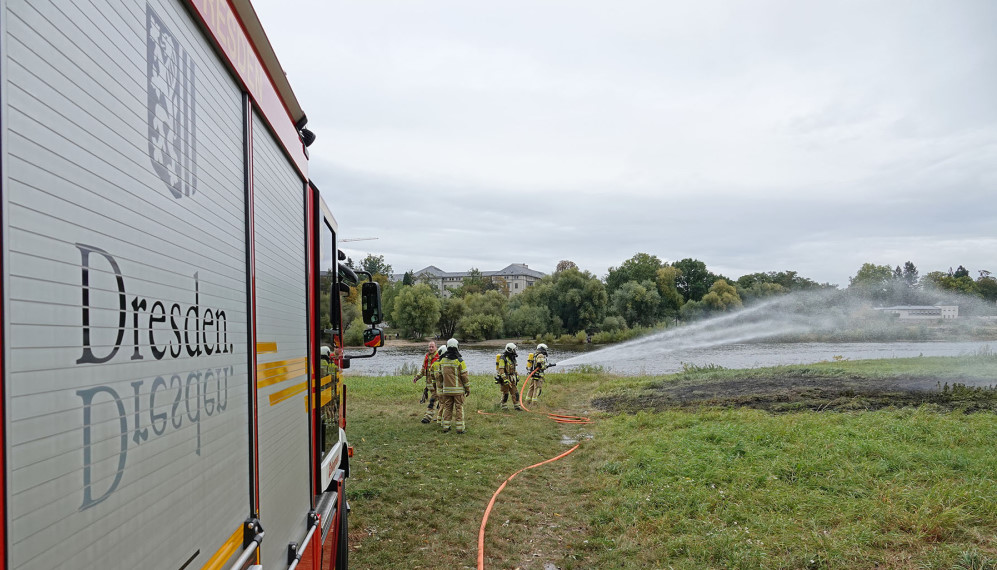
{"x":795,"y":393}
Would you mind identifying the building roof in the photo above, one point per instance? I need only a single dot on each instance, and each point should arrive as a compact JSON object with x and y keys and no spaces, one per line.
{"x":515,"y":270}
{"x":511,"y":270}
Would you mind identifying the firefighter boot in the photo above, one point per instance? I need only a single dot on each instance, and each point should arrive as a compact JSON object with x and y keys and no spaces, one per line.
{"x":505,"y":402}
{"x":430,"y":411}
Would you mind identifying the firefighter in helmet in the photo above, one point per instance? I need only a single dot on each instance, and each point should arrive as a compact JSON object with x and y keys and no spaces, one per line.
{"x":429,"y":392}
{"x":506,"y":376}
{"x":454,"y":388}
{"x":537,"y":367}
{"x":437,"y":414}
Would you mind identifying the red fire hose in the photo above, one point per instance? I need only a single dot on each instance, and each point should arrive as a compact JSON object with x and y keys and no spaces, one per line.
{"x":559,"y":418}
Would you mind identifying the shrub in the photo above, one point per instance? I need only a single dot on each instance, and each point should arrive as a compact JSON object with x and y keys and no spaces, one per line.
{"x":612,"y":324}
{"x":354,"y":333}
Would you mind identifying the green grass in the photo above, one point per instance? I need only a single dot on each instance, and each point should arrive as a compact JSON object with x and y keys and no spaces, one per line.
{"x":943,"y":367}
{"x":681,"y":488}
{"x":748,"y":489}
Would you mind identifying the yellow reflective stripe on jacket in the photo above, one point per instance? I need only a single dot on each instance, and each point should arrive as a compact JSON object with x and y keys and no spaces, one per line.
{"x":453,"y":375}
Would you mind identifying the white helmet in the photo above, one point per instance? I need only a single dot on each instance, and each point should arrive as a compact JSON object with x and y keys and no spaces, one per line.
{"x":441,"y":350}
{"x":542,"y":348}
{"x":452,"y":343}
{"x":510,"y":348}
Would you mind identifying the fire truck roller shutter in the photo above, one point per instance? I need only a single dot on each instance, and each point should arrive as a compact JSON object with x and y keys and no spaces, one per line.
{"x":281,"y":318}
{"x":127,"y":370}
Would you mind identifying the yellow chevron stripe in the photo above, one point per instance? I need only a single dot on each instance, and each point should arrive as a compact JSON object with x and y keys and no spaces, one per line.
{"x":278,"y":397}
{"x":276,"y":372}
{"x":266,"y":347}
{"x":225,"y":552}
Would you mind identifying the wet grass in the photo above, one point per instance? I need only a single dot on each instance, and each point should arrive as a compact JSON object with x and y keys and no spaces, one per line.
{"x":686,"y":486}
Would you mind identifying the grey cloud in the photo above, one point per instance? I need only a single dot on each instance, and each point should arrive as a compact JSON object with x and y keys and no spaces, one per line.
{"x":811,"y":136}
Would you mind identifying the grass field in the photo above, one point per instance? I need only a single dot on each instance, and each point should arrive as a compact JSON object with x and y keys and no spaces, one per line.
{"x":666,"y":481}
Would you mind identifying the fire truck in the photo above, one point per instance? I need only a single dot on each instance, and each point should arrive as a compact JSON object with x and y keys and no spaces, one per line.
{"x":171,"y":351}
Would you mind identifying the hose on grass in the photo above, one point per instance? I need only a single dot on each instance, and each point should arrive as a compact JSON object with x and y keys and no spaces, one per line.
{"x":491,"y":503}
{"x":559,"y":418}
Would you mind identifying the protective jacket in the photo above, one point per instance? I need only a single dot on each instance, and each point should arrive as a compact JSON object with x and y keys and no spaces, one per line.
{"x":453,"y":374}
{"x":537,"y":369}
{"x":505,"y":368}
{"x":427,"y":361}
{"x":434,"y":374}
{"x":539,"y":364}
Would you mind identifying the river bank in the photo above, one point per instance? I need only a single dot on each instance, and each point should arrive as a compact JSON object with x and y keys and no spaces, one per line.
{"x":422,"y":343}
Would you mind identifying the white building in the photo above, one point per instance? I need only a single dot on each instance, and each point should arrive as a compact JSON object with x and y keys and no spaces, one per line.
{"x":516,"y":276}
{"x":923,"y":312}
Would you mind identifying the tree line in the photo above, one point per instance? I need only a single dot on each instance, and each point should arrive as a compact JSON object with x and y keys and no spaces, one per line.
{"x":643,"y":292}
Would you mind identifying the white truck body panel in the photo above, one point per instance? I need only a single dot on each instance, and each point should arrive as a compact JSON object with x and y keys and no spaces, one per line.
{"x":281,"y":319}
{"x":127,"y":310}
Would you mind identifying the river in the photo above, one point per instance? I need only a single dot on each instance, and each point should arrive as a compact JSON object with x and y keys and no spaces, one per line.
{"x":660,"y":358}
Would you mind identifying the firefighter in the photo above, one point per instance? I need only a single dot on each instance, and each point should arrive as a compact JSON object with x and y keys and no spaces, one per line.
{"x":434,"y":369}
{"x":454,"y":388}
{"x":538,"y":366}
{"x":506,"y":376}
{"x":429,"y":392}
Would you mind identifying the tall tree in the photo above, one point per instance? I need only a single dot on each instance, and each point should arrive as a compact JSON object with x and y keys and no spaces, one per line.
{"x":565,"y":264}
{"x":577,"y":300}
{"x":910,"y":274}
{"x":671,"y":300}
{"x":416,"y":309}
{"x":474,"y":283}
{"x":375,"y":265}
{"x":640,"y":267}
{"x":695,"y":280}
{"x":388,"y":295}
{"x":872,"y":281}
{"x":986,"y":284}
{"x":722,"y":297}
{"x":451,"y":311}
{"x":528,"y":320}
{"x":786,"y":280}
{"x":637,"y":302}
{"x":485,"y":315}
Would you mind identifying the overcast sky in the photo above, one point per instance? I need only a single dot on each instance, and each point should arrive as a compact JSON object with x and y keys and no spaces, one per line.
{"x":754,"y":136}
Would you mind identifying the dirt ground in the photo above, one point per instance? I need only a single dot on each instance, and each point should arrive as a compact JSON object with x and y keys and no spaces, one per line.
{"x":798,"y":393}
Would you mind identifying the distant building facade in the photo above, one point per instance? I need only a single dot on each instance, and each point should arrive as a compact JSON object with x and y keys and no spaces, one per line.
{"x":923,"y":312}
{"x":516,"y":276}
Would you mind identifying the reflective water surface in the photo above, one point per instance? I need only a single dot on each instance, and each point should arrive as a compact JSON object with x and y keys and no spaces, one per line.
{"x":660,"y":358}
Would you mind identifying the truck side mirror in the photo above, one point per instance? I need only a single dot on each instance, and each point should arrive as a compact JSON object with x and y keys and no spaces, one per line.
{"x":372,"y":338}
{"x":370,"y":303}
